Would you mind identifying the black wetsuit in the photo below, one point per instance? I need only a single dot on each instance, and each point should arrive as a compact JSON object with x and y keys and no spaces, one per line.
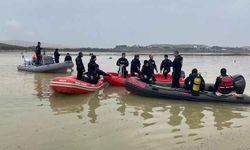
{"x":68,"y":58}
{"x":166,"y":67}
{"x":94,"y":72}
{"x":189,"y":82}
{"x":79,"y":67}
{"x":152,"y":65}
{"x":177,"y":65}
{"x":38,"y":55}
{"x":123,"y":61}
{"x":56,"y":56}
{"x":135,"y":67}
{"x":146,"y":74}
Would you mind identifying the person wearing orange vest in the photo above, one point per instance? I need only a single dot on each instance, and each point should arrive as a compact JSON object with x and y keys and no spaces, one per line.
{"x":224,"y":83}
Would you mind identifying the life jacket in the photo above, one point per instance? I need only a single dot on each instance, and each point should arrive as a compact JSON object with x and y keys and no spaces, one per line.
{"x":226,"y":85}
{"x":196,"y":84}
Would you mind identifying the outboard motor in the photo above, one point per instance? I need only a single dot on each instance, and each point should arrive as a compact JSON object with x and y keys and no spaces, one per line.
{"x":239,"y":84}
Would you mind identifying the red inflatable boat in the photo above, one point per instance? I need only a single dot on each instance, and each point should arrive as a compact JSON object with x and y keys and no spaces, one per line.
{"x":73,"y":86}
{"x":115,"y":80}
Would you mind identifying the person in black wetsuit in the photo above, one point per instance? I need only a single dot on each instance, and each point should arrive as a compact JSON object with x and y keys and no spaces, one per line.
{"x":146,"y":72}
{"x":135,"y":66}
{"x":79,"y":66}
{"x":177,"y":65}
{"x":56,"y":56}
{"x":94,"y":71}
{"x":38,"y":53}
{"x":195,"y":82}
{"x":152,"y":64}
{"x":122,"y":63}
{"x":166,"y":66}
{"x":67,"y":57}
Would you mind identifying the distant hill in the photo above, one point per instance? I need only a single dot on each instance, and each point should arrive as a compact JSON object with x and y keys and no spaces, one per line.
{"x":179,"y":46}
{"x":31,"y":44}
{"x":11,"y":47}
{"x":155,"y":48}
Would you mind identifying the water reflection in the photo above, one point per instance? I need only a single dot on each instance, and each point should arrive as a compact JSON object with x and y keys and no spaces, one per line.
{"x":41,"y":85}
{"x":178,"y":112}
{"x":189,"y":113}
{"x":193,"y":115}
{"x":62,"y":104}
{"x":224,"y":114}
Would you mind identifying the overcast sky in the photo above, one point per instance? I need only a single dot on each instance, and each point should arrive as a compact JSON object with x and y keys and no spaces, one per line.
{"x":106,"y":23}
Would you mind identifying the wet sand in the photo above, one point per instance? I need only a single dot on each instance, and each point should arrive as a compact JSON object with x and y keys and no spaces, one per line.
{"x":33,"y":117}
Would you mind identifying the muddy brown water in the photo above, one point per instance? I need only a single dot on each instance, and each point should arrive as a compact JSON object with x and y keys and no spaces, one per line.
{"x":33,"y":117}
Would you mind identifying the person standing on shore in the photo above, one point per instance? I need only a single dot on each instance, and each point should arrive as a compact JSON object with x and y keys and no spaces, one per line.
{"x":38,"y":53}
{"x":166,"y":66}
{"x":177,"y":65}
{"x":56,"y":56}
{"x":122,"y":63}
{"x":152,"y":64}
{"x":135,"y":66}
{"x":79,"y":66}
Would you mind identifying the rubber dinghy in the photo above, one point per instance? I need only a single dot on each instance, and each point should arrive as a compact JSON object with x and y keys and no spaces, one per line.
{"x":47,"y":66}
{"x":115,"y":80}
{"x":71,"y":85}
{"x":134,"y":85}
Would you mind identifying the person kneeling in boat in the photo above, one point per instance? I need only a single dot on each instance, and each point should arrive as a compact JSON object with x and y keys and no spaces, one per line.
{"x":135,"y":66}
{"x":146,"y":73}
{"x":93,"y":71}
{"x":79,"y":66}
{"x":122,"y":63}
{"x":195,"y":83}
{"x":224,"y":83}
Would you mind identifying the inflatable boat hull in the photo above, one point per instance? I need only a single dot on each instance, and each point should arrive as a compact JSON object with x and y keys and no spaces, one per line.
{"x":58,"y":67}
{"x":115,"y":80}
{"x":138,"y":87}
{"x":71,"y":85}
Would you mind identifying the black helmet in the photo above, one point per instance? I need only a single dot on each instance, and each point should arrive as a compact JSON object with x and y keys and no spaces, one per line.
{"x":93,"y":57}
{"x":194,"y":70}
{"x":223,"y":71}
{"x":80,"y":54}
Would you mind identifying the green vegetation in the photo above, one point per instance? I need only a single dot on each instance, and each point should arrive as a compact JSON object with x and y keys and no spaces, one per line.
{"x":156,"y":48}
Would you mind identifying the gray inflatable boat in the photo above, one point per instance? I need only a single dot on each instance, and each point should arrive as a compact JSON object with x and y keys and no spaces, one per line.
{"x":47,"y":66}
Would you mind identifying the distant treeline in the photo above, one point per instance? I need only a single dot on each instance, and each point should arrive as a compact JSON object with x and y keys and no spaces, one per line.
{"x":140,"y":49}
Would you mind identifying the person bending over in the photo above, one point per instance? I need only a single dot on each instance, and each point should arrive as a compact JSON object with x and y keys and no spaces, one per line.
{"x":94,"y":71}
{"x":122,"y":63}
{"x":146,"y":72}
